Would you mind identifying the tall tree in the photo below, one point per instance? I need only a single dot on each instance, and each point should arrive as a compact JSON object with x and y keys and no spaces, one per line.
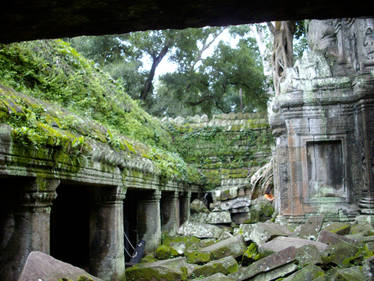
{"x":205,"y":81}
{"x":282,"y":58}
{"x":215,"y":85}
{"x":284,"y":33}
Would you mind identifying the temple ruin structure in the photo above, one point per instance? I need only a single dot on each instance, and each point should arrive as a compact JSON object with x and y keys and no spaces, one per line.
{"x":78,"y":214}
{"x":323,"y":120}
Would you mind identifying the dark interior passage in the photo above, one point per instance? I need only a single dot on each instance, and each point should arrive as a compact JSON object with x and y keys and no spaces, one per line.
{"x":9,"y":194}
{"x":165,"y":207}
{"x":70,"y":224}
{"x":130,"y":221}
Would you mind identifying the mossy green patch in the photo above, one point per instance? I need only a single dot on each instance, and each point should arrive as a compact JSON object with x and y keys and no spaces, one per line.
{"x":197,"y":257}
{"x":136,"y":273}
{"x":250,"y":255}
{"x":164,"y":252}
{"x":223,"y":152}
{"x":225,"y":266}
{"x":67,"y":103}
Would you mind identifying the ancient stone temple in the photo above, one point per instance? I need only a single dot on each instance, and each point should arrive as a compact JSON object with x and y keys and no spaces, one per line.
{"x":76,"y":190}
{"x":323,"y":120}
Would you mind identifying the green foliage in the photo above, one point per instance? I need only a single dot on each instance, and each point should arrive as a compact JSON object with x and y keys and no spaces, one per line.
{"x":53,"y":71}
{"x":69,"y":103}
{"x":200,"y":85}
{"x":215,"y":86}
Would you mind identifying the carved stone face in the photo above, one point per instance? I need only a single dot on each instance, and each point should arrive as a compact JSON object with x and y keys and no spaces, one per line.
{"x":368,"y":42}
{"x":322,"y":36}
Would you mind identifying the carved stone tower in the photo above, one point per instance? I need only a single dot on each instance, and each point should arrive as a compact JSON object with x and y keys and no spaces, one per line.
{"x":323,"y":120}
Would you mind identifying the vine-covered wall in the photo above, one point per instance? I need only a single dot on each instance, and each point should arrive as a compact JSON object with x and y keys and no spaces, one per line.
{"x":227,"y":149}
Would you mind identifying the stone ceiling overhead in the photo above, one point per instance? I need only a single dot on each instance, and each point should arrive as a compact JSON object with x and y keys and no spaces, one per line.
{"x":36,"y":19}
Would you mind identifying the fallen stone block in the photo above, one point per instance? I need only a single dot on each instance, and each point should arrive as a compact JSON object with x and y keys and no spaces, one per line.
{"x":308,"y":254}
{"x":280,"y":243}
{"x":181,"y":243}
{"x":40,"y":266}
{"x":165,"y":270}
{"x":341,"y":254}
{"x":310,"y":272}
{"x":199,"y":230}
{"x":265,"y":264}
{"x":349,"y":274}
{"x":276,"y":273}
{"x":164,"y":252}
{"x":341,"y":228}
{"x":218,"y":217}
{"x":368,"y":268}
{"x":310,"y":229}
{"x":240,"y":218}
{"x":215,"y":277}
{"x":262,"y":232}
{"x":198,"y":217}
{"x":233,"y":204}
{"x":331,"y":238}
{"x":226,"y":193}
{"x":225,"y":265}
{"x":239,"y":210}
{"x":225,"y":235}
{"x":197,"y":256}
{"x":198,"y":206}
{"x":207,"y":242}
{"x":364,"y":229}
{"x":233,"y":246}
{"x":264,"y":207}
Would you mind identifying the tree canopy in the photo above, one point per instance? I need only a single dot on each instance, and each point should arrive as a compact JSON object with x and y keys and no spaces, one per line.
{"x":229,"y":78}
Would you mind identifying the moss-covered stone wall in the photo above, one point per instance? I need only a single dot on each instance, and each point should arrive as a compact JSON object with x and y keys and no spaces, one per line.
{"x":59,"y":106}
{"x":227,"y":149}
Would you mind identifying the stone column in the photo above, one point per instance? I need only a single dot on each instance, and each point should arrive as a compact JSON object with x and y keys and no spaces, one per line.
{"x":107,"y":260}
{"x":366,"y":202}
{"x":149,"y":220}
{"x":185,"y":206}
{"x":29,"y":229}
{"x":170,"y":212}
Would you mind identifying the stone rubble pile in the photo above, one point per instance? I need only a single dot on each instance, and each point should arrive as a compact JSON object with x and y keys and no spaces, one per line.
{"x":260,"y":251}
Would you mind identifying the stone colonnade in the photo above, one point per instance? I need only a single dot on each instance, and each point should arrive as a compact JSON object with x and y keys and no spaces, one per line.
{"x":27,"y":227}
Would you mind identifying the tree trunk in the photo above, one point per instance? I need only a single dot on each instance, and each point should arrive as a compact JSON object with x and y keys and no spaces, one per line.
{"x":156,"y":61}
{"x":282,"y":57}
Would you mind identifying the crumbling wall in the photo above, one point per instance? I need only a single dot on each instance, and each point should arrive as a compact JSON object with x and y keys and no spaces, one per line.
{"x":227,"y":149}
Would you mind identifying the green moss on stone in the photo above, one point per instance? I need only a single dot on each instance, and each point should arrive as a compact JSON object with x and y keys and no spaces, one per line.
{"x":250,"y":255}
{"x":157,"y":274}
{"x":164,"y":252}
{"x":197,"y":257}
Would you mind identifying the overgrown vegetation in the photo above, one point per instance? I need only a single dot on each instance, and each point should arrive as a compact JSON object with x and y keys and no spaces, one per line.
{"x":224,"y":151}
{"x":69,"y":102}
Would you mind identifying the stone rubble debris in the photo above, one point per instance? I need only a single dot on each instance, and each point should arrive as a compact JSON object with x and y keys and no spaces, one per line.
{"x":262,"y":251}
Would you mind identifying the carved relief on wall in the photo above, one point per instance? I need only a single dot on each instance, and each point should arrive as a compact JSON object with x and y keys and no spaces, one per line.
{"x":366,"y":43}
